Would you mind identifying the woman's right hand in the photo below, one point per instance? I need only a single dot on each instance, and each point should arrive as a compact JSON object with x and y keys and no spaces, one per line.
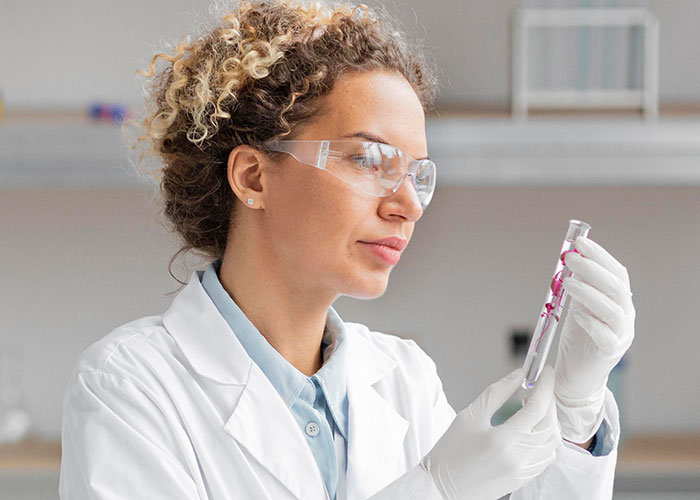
{"x":474,"y":460}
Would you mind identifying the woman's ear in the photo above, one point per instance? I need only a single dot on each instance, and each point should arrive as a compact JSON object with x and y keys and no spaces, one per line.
{"x":244,"y":172}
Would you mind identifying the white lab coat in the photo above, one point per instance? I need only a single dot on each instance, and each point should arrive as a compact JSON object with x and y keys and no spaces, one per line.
{"x":172,"y":407}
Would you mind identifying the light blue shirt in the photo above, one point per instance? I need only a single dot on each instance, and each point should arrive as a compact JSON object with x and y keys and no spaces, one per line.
{"x":604,"y":443}
{"x":319,"y":403}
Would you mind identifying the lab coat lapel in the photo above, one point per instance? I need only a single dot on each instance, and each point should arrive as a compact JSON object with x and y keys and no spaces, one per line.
{"x":260,"y":422}
{"x":376,"y":431}
{"x":263,"y":424}
{"x":204,"y":336}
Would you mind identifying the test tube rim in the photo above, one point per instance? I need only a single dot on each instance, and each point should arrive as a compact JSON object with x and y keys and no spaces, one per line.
{"x":579,"y":223}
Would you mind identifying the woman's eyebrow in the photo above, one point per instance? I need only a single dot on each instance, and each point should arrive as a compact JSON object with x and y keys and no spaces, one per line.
{"x":374,"y":138}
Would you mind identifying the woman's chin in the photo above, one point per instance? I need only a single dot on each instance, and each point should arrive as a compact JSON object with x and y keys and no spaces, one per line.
{"x":369,"y":288}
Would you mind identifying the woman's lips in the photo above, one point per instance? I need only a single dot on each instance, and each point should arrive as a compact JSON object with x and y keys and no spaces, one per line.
{"x":386,"y":254}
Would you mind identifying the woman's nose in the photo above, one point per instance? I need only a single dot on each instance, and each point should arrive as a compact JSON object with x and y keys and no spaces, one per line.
{"x":404,"y":201}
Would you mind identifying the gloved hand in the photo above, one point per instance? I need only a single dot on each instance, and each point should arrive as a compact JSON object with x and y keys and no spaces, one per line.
{"x":475,"y":461}
{"x":597,"y":331}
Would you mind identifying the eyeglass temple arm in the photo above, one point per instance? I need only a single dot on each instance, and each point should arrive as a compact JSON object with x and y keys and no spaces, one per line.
{"x":321,"y":154}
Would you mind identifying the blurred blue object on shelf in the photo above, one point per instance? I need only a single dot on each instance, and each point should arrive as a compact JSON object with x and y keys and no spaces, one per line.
{"x":108,"y":112}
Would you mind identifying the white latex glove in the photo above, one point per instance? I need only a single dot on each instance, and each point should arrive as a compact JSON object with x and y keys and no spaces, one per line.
{"x":475,"y":461}
{"x":598,"y":329}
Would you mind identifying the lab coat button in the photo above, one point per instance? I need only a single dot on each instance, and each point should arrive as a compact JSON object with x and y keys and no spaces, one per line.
{"x":312,"y":428}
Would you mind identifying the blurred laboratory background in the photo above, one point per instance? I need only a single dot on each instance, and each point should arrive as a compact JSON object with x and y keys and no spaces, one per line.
{"x":549,"y":110}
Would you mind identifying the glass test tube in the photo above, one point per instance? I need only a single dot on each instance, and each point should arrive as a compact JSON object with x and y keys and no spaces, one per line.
{"x":552,"y":310}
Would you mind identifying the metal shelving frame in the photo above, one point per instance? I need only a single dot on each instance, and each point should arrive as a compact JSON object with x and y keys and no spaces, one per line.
{"x":524,"y":98}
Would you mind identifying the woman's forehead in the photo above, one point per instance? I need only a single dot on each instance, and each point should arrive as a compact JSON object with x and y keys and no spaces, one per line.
{"x":376,"y":106}
{"x":373,"y":93}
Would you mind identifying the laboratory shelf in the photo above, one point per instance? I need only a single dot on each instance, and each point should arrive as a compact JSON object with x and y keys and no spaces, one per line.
{"x":68,"y":150}
{"x":30,"y":454}
{"x":653,"y":466}
{"x":566,"y":151}
{"x":655,"y":453}
{"x":641,"y":454}
{"x":63,"y":150}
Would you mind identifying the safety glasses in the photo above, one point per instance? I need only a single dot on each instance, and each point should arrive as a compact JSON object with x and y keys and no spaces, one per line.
{"x":373,"y":168}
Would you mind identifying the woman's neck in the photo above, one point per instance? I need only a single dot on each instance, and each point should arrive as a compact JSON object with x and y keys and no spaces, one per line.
{"x":290,"y":317}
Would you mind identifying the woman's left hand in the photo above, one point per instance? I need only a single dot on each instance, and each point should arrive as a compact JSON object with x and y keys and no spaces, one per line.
{"x":598,"y":330}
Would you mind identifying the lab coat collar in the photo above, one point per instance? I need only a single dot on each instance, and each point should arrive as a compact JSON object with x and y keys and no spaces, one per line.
{"x":204,"y":336}
{"x":262,"y":423}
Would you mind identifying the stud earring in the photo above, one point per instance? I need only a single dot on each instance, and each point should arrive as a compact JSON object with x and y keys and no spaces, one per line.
{"x":250,"y":201}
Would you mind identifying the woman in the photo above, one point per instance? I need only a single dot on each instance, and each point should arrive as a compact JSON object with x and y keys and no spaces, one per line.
{"x":250,"y":386}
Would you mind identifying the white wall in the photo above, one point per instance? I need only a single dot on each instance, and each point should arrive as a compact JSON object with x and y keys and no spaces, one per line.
{"x":66,"y":54}
{"x":76,"y":263}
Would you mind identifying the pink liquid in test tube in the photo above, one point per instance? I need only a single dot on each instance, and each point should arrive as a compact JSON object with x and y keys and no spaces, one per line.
{"x":552,"y":309}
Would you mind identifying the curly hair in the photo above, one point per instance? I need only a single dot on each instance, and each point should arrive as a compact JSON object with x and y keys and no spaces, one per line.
{"x":255,"y":76}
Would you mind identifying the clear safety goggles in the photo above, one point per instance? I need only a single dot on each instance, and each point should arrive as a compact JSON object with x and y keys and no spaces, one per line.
{"x":373,"y":168}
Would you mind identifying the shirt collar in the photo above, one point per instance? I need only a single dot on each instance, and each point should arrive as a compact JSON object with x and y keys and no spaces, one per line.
{"x":287,"y":380}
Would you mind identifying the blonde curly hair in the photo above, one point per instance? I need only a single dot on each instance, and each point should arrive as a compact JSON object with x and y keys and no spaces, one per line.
{"x":255,"y":76}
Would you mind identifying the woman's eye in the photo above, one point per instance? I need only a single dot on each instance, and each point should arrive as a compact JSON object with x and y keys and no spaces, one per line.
{"x":365,"y":161}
